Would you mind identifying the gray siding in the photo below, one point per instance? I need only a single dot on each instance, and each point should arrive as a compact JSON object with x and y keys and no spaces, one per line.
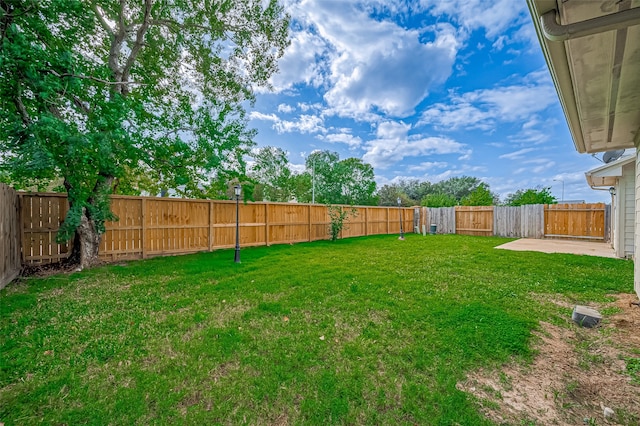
{"x":636,"y":265}
{"x":627,"y":215}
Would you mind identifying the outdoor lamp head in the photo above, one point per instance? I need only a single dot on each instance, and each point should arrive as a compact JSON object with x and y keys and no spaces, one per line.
{"x":612,"y":190}
{"x":237,"y":189}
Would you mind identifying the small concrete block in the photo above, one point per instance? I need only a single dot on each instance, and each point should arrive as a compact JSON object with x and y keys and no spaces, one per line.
{"x":585,"y":316}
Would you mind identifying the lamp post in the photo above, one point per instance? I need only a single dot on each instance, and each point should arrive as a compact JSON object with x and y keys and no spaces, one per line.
{"x":237,"y":190}
{"x":561,"y":180}
{"x":400,"y":212}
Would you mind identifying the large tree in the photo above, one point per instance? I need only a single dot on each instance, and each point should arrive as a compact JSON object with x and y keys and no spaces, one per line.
{"x":449,"y":192}
{"x":93,"y":93}
{"x":410,"y":191}
{"x":272,"y":174}
{"x":481,"y":196}
{"x":458,"y":187}
{"x":439,"y":200}
{"x":335,"y":181}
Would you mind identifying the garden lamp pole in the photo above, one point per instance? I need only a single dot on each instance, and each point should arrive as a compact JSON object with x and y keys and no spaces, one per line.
{"x":400,"y":212}
{"x":237,"y":189}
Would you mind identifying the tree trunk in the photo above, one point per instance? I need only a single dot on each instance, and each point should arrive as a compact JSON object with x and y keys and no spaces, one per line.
{"x":88,"y":234}
{"x":86,"y":243}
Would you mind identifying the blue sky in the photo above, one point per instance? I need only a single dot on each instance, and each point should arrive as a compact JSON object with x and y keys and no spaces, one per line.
{"x":425,"y":90}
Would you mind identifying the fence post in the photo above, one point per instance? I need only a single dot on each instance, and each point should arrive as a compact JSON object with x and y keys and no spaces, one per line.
{"x":143,"y":232}
{"x":309,"y":219}
{"x":366,"y":221}
{"x":387,"y":220}
{"x":266,"y":224}
{"x":22,"y":236}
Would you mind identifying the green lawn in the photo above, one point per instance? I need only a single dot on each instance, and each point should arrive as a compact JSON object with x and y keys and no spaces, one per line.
{"x":361,"y":331}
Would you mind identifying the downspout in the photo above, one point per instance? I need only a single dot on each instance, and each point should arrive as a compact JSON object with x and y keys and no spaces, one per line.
{"x":615,"y":21}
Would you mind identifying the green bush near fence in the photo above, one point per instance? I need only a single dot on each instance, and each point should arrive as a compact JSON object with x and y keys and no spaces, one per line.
{"x":360,"y":331}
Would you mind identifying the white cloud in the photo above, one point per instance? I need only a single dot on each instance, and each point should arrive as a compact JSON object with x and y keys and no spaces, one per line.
{"x":543,"y":167}
{"x":393,"y":143}
{"x":310,"y":107}
{"x":483,"y":109}
{"x":287,"y":109}
{"x":301,"y":62}
{"x":255,"y":115}
{"x":297,"y":168}
{"x":365,"y":64}
{"x":499,"y":43}
{"x":304,"y":124}
{"x":344,"y":137}
{"x":427,"y":165}
{"x":534,"y":131}
{"x":494,"y":16}
{"x":536,"y":166}
{"x":516,"y":155}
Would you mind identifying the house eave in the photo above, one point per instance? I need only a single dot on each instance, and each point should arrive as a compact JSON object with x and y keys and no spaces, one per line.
{"x":608,"y":174}
{"x":595,"y":68}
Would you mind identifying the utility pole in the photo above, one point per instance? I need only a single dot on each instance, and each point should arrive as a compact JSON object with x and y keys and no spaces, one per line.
{"x":313,"y":180}
{"x":561,"y":180}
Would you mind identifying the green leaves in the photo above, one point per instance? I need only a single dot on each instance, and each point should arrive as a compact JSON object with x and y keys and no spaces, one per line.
{"x":349,"y":181}
{"x":439,"y":200}
{"x":531,"y":196}
{"x":480,"y":196}
{"x":337,"y":217}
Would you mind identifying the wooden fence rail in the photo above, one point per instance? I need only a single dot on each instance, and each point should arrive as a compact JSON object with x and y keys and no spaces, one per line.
{"x":10,"y":263}
{"x":149,"y":227}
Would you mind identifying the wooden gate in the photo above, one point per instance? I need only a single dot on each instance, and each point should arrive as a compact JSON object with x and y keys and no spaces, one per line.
{"x":578,"y":221}
{"x":474,"y":220}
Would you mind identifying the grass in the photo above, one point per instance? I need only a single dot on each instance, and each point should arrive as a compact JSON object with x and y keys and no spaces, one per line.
{"x":361,"y":331}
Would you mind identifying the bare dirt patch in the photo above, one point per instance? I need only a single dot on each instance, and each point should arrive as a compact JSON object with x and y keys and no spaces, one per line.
{"x":575,"y":375}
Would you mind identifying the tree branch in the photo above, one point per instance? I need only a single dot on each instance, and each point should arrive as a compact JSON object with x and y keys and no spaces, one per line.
{"x":139,"y":43}
{"x":22,"y":110}
{"x":174,"y":26}
{"x":116,"y":46}
{"x":81,"y":105}
{"x":89,"y":77}
{"x":103,"y":22}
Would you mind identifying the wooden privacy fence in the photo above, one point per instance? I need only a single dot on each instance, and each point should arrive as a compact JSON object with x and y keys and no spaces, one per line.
{"x":519,"y":222}
{"x":577,"y":221}
{"x":10,"y":263}
{"x":474,"y":220}
{"x":150,"y":227}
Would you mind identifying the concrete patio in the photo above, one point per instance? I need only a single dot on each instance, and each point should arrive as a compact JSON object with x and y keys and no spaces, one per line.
{"x":589,"y":248}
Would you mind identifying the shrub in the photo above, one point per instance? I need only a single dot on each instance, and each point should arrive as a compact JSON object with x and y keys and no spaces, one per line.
{"x":337,"y":216}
